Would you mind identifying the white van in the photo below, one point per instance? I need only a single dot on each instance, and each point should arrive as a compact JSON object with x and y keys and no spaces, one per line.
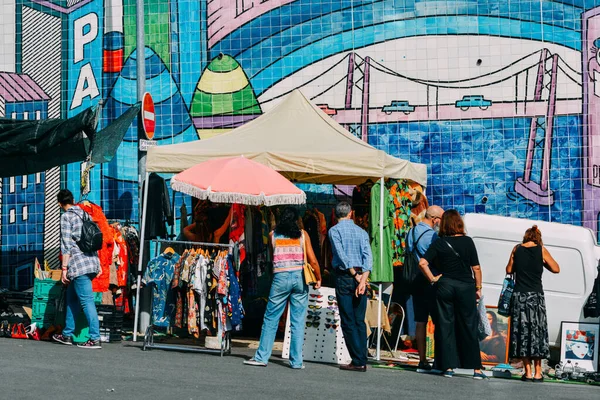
{"x":573,"y":247}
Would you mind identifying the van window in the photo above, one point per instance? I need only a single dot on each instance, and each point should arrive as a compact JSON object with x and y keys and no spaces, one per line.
{"x":494,"y":255}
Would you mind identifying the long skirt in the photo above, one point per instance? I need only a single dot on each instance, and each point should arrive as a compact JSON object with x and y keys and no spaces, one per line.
{"x":529,"y":326}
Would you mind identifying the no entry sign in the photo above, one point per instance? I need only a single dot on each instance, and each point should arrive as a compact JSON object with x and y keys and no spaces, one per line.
{"x":148,"y":116}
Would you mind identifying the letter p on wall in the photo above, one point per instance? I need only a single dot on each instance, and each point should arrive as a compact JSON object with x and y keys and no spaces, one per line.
{"x":85,"y":31}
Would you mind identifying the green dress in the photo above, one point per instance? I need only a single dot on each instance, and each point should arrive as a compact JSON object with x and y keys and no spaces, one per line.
{"x":382,"y":268}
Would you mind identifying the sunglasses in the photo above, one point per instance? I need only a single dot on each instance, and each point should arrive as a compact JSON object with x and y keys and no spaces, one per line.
{"x":316,"y":296}
{"x":332,"y":303}
{"x":331,"y":298}
{"x":313,"y":324}
{"x":332,"y":326}
{"x":330,"y":313}
{"x":330,"y":308}
{"x":313,"y":317}
{"x":314,"y":307}
{"x":314,"y":312}
{"x":332,"y":320}
{"x":315,"y":301}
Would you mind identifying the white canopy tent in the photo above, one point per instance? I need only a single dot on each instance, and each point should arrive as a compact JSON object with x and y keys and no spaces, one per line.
{"x":297,"y":139}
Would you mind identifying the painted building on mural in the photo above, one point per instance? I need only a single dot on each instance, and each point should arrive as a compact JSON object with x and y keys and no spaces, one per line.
{"x":499,"y":99}
{"x":21,"y":197}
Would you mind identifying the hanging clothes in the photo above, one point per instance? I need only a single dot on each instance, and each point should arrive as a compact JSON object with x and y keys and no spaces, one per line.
{"x":311,"y":226}
{"x":401,"y":202}
{"x":183,"y":218}
{"x":158,"y":208}
{"x":159,"y":274}
{"x":101,"y":283}
{"x":235,"y":307}
{"x":237,"y":227}
{"x":322,"y":226}
{"x":382,"y":267}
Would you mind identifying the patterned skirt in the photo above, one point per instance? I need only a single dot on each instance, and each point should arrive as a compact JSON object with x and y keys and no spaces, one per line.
{"x":529,"y":326}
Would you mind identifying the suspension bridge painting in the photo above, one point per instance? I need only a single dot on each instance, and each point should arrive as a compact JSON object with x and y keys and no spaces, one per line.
{"x":500,"y":130}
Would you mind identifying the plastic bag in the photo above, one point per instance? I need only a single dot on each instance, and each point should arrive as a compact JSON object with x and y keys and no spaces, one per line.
{"x":504,"y":302}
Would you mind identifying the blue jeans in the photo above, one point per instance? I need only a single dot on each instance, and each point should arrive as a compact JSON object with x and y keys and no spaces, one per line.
{"x":352,"y":317}
{"x":286,"y":285}
{"x":80,"y":295}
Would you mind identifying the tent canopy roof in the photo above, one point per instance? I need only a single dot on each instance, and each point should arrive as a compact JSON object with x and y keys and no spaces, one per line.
{"x":297,"y":139}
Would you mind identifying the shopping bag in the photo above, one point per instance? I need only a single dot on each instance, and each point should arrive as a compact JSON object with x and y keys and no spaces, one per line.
{"x":485,"y":329}
{"x":506,"y":295}
{"x":591,"y":309}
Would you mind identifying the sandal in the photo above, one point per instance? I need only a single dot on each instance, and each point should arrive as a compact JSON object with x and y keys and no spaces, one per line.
{"x":524,"y":378}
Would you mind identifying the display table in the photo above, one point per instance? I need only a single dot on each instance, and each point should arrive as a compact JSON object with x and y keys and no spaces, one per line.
{"x":321,"y":343}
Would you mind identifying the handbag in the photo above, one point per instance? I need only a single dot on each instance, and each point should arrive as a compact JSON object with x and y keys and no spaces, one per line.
{"x":504,"y":301}
{"x":485,"y":329}
{"x":592,"y":308}
{"x":18,"y":332}
{"x":309,"y":273}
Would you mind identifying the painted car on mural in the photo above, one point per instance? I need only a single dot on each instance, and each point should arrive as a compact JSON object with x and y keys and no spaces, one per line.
{"x":329,"y":111}
{"x":398,"y":106}
{"x":473,"y":101}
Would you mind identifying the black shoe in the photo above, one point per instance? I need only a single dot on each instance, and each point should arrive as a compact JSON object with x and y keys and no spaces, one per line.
{"x":524,"y":378}
{"x":424,"y":367}
{"x":352,"y":367}
{"x":4,"y":329}
{"x":68,"y":340}
{"x":90,"y":344}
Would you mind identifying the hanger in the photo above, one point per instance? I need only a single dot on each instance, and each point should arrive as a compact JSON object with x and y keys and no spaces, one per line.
{"x":169,"y":250}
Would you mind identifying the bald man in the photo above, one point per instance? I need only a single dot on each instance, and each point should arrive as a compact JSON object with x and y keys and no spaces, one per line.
{"x":419,"y":239}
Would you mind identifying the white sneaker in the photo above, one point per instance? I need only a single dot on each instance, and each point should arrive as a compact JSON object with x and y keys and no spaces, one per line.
{"x":255,"y":363}
{"x":301,"y":367}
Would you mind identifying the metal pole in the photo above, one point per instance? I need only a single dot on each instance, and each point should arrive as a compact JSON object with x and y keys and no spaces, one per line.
{"x":140,"y":260}
{"x":381,"y":221}
{"x":140,"y":49}
{"x":140,"y":82}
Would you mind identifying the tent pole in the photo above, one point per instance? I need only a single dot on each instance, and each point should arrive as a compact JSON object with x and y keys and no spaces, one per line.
{"x":140,"y":258}
{"x":381,"y":220}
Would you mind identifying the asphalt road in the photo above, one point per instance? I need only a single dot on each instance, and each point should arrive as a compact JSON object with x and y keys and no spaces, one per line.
{"x":40,"y":370}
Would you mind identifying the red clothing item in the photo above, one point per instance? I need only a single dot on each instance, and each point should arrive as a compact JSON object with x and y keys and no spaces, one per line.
{"x":237,"y":228}
{"x":123,"y":263}
{"x":101,"y":283}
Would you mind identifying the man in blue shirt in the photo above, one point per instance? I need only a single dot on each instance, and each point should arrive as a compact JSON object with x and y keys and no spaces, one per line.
{"x":352,"y":263}
{"x":423,"y":295}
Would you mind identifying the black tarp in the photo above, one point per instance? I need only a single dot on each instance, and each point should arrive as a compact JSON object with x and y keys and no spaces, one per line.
{"x":27,"y":146}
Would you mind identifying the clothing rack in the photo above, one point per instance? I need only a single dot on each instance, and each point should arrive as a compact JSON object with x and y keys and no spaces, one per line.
{"x":149,"y":335}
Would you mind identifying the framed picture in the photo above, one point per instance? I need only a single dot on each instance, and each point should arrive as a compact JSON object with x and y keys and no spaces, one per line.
{"x":579,"y":344}
{"x":494,"y":348}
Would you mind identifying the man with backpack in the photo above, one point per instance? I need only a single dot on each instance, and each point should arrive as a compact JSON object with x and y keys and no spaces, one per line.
{"x":79,"y":241}
{"x":418,"y":241}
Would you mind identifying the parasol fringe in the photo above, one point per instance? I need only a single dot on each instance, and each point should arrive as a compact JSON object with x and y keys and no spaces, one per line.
{"x":238,"y":198}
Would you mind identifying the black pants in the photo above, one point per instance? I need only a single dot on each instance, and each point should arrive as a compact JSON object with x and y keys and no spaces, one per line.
{"x":456,"y":342}
{"x":352,"y":317}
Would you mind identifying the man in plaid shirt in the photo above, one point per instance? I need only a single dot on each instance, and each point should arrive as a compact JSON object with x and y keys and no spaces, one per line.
{"x":352,"y":263}
{"x":78,"y":270}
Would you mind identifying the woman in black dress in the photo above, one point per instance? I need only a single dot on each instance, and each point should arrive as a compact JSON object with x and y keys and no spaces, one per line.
{"x":458,"y":288}
{"x":529,"y":323}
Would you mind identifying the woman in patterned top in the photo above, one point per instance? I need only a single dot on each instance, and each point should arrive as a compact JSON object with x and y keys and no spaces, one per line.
{"x":289,"y":243}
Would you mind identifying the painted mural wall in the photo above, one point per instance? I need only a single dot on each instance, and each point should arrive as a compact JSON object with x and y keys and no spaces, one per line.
{"x":499,"y":99}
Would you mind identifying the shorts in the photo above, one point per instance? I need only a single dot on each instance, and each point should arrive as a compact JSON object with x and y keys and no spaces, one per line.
{"x":424,"y":304}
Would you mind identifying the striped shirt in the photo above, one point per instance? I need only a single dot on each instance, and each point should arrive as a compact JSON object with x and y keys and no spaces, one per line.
{"x":288,"y":254}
